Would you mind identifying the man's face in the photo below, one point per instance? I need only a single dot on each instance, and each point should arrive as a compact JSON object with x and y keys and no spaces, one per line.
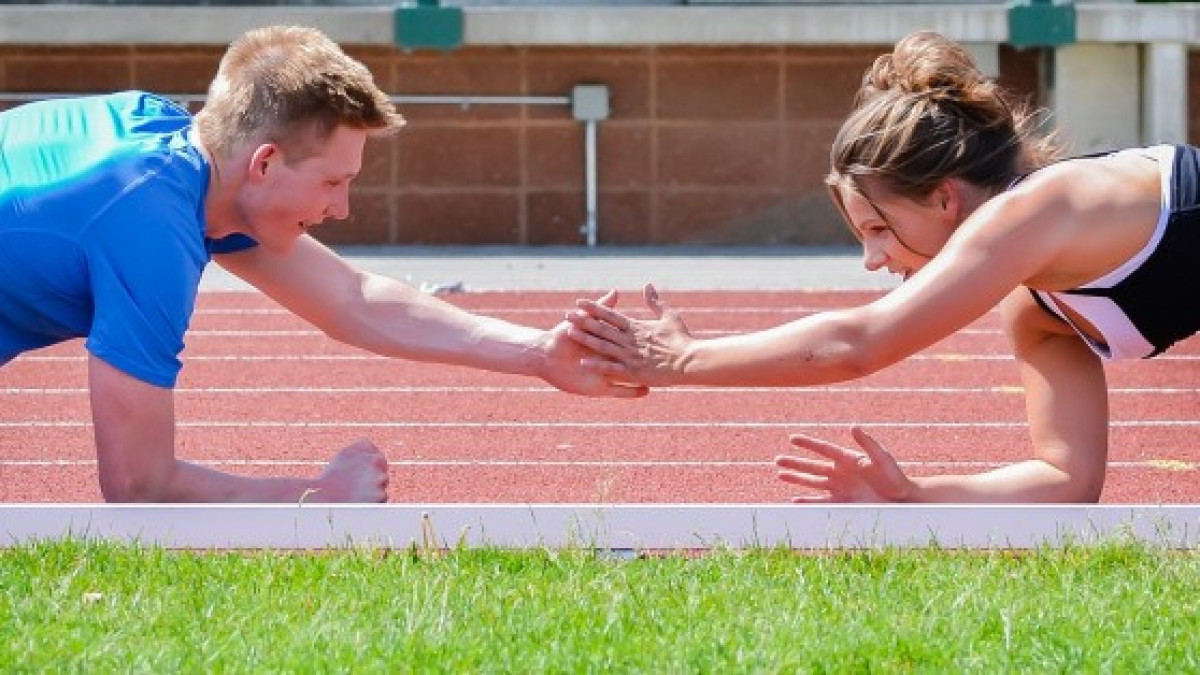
{"x":285,"y":196}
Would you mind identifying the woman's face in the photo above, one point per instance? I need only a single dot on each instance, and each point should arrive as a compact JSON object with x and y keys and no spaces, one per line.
{"x":898,"y":234}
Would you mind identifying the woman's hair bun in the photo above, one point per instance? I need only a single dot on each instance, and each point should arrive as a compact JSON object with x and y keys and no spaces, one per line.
{"x":925,"y":112}
{"x":924,"y":62}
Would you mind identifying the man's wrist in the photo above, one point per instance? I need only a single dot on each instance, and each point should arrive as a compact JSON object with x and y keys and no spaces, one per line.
{"x":536,"y":353}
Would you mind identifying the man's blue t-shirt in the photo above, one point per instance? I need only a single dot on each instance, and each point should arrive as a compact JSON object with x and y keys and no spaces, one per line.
{"x":102,"y":229}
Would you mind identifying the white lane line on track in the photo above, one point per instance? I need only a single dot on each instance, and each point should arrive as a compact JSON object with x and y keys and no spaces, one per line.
{"x":946,"y":357}
{"x":639,"y":313}
{"x":720,"y":332}
{"x":302,"y":332}
{"x":280,"y":424}
{"x":256,"y":332}
{"x":433,"y":389}
{"x":1161,"y":464}
{"x":943,"y":357}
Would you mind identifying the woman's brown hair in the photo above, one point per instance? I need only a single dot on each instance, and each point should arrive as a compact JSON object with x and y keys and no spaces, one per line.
{"x":925,"y":113}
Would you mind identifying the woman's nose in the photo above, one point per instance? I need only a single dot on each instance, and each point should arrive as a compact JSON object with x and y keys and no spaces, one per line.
{"x":873,"y":257}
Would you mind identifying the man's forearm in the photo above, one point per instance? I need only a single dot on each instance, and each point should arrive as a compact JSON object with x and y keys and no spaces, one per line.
{"x":397,"y":320}
{"x":194,"y":483}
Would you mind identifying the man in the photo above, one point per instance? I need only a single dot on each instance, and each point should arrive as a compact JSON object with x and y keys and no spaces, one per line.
{"x":111,"y":206}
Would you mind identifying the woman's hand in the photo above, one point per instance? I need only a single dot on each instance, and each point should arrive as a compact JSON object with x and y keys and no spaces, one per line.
{"x":569,"y":364}
{"x":846,"y":475}
{"x":649,"y":352}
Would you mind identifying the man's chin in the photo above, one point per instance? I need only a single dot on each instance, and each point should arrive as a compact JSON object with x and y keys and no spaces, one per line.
{"x":280,"y":247}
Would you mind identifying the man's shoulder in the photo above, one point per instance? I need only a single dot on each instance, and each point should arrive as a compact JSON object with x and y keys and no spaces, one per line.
{"x":145,"y":112}
{"x":131,"y":104}
{"x":81,"y":132}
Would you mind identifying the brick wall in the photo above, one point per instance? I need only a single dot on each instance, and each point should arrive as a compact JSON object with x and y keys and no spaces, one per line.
{"x":704,"y":145}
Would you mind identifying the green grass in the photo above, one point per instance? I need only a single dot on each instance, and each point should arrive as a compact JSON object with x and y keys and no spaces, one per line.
{"x":105,"y":608}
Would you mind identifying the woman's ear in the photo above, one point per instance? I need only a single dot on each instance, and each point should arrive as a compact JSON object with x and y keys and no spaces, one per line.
{"x":947,"y":196}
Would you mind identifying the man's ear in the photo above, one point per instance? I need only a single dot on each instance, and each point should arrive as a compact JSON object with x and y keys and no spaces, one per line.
{"x":261,"y":160}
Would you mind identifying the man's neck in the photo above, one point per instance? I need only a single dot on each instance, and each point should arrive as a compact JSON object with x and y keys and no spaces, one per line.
{"x":219,"y":205}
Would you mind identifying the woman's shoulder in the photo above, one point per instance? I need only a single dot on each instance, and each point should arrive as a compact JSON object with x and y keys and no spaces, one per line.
{"x":1089,"y":213}
{"x":1096,"y":182}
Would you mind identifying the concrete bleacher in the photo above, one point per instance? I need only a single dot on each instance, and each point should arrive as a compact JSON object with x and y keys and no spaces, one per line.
{"x":721,"y":111}
{"x":1122,"y":46}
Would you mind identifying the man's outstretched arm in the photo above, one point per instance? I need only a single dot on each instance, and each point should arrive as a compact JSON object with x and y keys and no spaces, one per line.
{"x":135,"y":445}
{"x":389,"y":317}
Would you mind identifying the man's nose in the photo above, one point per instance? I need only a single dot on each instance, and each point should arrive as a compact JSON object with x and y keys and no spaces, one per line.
{"x":339,"y":208}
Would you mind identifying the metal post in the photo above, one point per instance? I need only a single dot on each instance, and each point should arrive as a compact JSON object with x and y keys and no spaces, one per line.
{"x":589,"y":225}
{"x":589,"y":104}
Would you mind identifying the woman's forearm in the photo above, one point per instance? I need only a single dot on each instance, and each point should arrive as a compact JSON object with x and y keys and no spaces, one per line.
{"x":811,"y":351}
{"x":1029,"y":481}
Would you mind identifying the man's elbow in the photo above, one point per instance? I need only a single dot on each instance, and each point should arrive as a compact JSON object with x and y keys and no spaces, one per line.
{"x":135,"y":487}
{"x":355,"y":320}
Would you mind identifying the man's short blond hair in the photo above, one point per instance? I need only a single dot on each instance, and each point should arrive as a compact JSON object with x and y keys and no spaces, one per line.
{"x":290,"y":85}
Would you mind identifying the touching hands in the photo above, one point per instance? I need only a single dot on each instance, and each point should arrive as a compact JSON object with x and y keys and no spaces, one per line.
{"x":649,"y":352}
{"x":846,"y":475}
{"x":574,"y":367}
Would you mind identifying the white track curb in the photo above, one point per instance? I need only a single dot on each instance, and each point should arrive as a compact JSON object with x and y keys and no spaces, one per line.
{"x":602,"y":526}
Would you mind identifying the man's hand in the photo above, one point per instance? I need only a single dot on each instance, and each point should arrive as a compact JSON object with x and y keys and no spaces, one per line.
{"x":358,"y":473}
{"x":564,"y":367}
{"x":648,"y":352}
{"x":845,"y":475}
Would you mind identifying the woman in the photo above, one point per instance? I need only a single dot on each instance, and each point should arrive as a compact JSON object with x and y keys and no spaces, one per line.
{"x":945,"y":184}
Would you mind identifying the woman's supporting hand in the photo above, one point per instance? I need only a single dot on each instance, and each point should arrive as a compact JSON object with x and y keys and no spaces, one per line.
{"x":844,"y":474}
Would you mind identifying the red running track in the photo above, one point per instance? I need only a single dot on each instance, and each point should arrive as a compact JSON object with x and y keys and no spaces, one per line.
{"x":263,"y":394}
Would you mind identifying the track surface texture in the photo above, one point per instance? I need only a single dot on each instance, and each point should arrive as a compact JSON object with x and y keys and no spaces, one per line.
{"x":262,"y":393}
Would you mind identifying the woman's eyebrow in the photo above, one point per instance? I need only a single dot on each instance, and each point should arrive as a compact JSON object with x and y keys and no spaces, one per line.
{"x":879,"y":212}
